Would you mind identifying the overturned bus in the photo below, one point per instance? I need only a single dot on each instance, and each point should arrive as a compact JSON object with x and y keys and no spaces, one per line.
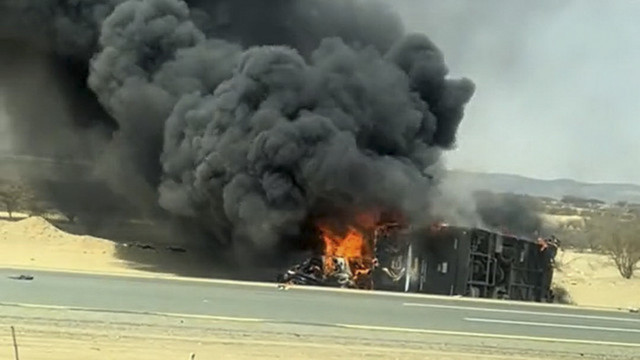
{"x":445,"y":260}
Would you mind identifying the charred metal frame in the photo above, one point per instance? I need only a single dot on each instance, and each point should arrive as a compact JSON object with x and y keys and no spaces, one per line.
{"x":449,"y":261}
{"x":474,"y":262}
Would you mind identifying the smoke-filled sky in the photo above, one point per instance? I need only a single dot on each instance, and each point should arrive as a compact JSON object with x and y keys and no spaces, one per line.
{"x":558,"y":83}
{"x":253,"y":118}
{"x":5,"y":136}
{"x":558,"y":86}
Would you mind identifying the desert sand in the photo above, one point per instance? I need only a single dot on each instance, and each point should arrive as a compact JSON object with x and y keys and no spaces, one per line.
{"x":593,"y":280}
{"x":33,"y":242}
{"x":63,"y":343}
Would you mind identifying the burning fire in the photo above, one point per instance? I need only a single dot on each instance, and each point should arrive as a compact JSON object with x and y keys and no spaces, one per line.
{"x":353,"y":247}
{"x":350,"y":246}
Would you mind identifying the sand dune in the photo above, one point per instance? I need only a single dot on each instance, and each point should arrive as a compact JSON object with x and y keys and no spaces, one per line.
{"x":34,"y":242}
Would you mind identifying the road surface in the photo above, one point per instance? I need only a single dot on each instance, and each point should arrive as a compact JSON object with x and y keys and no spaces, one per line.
{"x":383,"y":313}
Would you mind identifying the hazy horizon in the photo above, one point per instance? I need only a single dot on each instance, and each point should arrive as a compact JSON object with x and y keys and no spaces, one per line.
{"x":497,"y":173}
{"x":557,"y":84}
{"x":557,"y":88}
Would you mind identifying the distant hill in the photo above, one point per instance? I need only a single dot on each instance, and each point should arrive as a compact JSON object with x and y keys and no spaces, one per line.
{"x":13,"y":167}
{"x":610,"y":193}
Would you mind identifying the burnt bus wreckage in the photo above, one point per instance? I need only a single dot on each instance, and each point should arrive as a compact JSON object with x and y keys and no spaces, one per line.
{"x":445,"y":260}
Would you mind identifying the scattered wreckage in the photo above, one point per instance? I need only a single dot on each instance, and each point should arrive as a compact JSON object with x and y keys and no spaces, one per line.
{"x":443,"y":259}
{"x":22,"y":277}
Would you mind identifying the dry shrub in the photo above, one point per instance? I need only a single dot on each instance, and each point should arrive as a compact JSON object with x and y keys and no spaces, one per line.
{"x":619,"y":237}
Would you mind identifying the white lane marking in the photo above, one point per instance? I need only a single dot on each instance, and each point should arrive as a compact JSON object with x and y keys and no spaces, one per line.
{"x":148,"y":313}
{"x":346,"y":326}
{"x":524,"y":312}
{"x":566,"y":326}
{"x":488,"y":335}
{"x":417,"y":296}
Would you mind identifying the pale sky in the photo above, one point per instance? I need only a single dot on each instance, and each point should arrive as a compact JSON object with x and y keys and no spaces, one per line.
{"x":558,"y":83}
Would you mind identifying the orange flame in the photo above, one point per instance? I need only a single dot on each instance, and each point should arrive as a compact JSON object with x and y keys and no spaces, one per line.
{"x":350,"y":246}
{"x":356,"y":245}
{"x":353,"y":247}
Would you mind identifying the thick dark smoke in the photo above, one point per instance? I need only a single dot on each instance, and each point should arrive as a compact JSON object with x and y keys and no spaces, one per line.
{"x":515,"y":214}
{"x":247,"y":117}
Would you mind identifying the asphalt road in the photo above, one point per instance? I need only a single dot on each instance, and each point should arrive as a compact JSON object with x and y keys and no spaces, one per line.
{"x":395,"y":313}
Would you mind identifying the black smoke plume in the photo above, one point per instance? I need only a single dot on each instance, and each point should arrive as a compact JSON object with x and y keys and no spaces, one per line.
{"x":247,"y":117}
{"x":510,"y":213}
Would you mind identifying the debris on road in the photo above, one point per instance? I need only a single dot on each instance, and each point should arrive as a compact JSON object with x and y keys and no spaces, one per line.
{"x":310,"y":272}
{"x":323,"y":271}
{"x":139,"y":246}
{"x":145,"y":246}
{"x":21,"y":277}
{"x":176,"y":249}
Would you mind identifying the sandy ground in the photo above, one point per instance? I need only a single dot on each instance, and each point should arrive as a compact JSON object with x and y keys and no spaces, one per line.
{"x":66,"y":344}
{"x":34,"y":242}
{"x":591,"y":279}
{"x":44,"y":334}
